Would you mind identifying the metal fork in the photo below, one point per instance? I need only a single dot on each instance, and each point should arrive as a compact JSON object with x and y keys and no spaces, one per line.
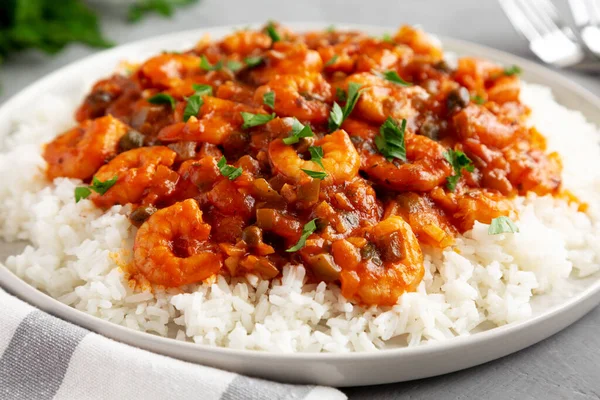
{"x":586,"y":14}
{"x":549,"y":37}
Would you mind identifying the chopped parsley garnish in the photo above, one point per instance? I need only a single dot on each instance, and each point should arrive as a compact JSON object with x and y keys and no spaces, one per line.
{"x":272,"y":32}
{"x":502,"y":225}
{"x":459,"y":161}
{"x":251,"y":120}
{"x":234,"y":65}
{"x":194,"y":102}
{"x":315,"y":174}
{"x":162,"y":98}
{"x":512,"y":70}
{"x":332,"y":60}
{"x":339,"y":114}
{"x":228,"y":171}
{"x":477,"y":99}
{"x":393,"y":76}
{"x":254,"y":61}
{"x":387,"y":38}
{"x":97,"y":186}
{"x":330,"y":28}
{"x":202,"y":90}
{"x":307,"y":230}
{"x":269,"y":99}
{"x":298,"y":131}
{"x":340,"y":94}
{"x":390,"y":141}
{"x":207,"y":66}
{"x":316,"y":155}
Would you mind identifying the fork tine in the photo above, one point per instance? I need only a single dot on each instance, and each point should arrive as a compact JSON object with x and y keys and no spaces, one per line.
{"x":594,"y":11}
{"x":519,"y":20}
{"x":580,"y":12}
{"x":538,"y":16}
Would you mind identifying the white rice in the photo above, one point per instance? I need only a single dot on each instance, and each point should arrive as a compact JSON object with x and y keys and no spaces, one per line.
{"x":482,"y":281}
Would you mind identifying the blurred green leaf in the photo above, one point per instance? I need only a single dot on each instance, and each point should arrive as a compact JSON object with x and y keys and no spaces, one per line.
{"x":163,"y":7}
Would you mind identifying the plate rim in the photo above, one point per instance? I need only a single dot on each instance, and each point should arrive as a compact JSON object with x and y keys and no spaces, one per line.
{"x":35,"y":297}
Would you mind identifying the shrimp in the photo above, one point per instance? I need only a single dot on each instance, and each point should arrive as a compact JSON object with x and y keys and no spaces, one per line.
{"x":381,"y":99}
{"x":218,"y":119}
{"x":428,"y":222}
{"x":340,"y":159}
{"x":168,"y":70}
{"x":426,"y":47}
{"x":391,"y":264}
{"x":286,"y":58}
{"x":79,"y":153}
{"x":425,"y":168}
{"x":474,"y":205}
{"x":480,"y":124}
{"x":301,"y":96}
{"x":245,"y":42}
{"x":137,"y":171}
{"x":171,"y":247}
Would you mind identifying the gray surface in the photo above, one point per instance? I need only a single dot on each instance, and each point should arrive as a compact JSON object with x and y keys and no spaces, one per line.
{"x":566,"y":366}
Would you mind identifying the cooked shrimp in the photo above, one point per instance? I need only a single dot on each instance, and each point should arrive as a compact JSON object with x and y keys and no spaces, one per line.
{"x":217,"y":120}
{"x":171,"y":247}
{"x":168,"y":70}
{"x":381,"y":99}
{"x":245,"y":42}
{"x":426,"y":47}
{"x":305,"y":97}
{"x":427,"y":221}
{"x":79,"y":153}
{"x":136,"y":171}
{"x":478,"y":123}
{"x":340,"y":159}
{"x":392,"y":263}
{"x":425,"y":169}
{"x":286,"y":58}
{"x":474,"y":205}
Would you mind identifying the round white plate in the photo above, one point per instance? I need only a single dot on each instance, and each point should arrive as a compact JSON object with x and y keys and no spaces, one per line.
{"x":350,"y":369}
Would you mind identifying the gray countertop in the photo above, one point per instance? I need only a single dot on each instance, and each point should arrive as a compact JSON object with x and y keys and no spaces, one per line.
{"x":565,"y":366}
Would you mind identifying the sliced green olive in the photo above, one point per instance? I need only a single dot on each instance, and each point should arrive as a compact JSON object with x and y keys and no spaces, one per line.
{"x":266,"y":218}
{"x":324,"y":267}
{"x":458,"y":99}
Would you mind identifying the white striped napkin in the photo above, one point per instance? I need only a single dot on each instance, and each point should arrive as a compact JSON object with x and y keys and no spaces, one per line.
{"x":43,"y":357}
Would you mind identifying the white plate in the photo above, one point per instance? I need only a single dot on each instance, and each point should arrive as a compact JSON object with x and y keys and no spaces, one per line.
{"x":386,"y":366}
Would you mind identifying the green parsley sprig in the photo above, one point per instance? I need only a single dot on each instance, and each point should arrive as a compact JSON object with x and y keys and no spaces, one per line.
{"x":390,"y":141}
{"x":254,"y":61}
{"x":269,"y":99}
{"x":272,"y":32}
{"x":392,"y":76}
{"x":316,"y":155}
{"x":207,"y":66}
{"x":162,"y":98}
{"x":98,"y":186}
{"x":228,"y":171}
{"x":502,"y":225}
{"x":251,"y":120}
{"x":298,"y":131}
{"x":338,"y":115}
{"x":459,"y":161}
{"x":308,"y":229}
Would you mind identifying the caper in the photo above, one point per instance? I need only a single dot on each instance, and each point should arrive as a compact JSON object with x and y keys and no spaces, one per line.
{"x":324,"y":267}
{"x":458,"y":99}
{"x":443,"y":66}
{"x":141,"y":214}
{"x":252,"y":235}
{"x":100,"y":96}
{"x":131,"y":140}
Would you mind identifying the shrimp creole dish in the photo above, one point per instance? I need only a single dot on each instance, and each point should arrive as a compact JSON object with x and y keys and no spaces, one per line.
{"x":323,"y":191}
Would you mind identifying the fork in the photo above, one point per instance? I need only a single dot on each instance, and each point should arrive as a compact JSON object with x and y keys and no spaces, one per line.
{"x":550,"y":39}
{"x":586,"y":14}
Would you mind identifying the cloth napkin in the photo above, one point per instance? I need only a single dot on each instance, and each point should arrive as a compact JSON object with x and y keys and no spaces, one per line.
{"x":43,"y":357}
